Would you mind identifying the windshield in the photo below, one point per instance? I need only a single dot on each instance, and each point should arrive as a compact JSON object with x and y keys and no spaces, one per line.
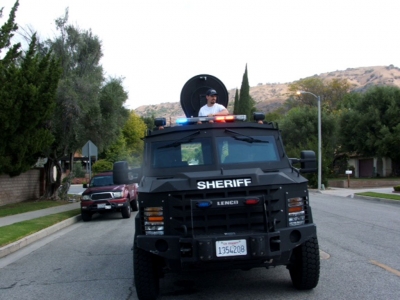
{"x":239,"y":149}
{"x":102,"y":181}
{"x":183,"y":153}
{"x":234,"y":148}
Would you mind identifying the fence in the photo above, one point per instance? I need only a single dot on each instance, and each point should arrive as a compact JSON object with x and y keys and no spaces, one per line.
{"x":26,"y":186}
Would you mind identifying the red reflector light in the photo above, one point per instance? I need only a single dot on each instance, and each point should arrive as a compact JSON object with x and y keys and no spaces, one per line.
{"x":220,"y":119}
{"x":251,"y":201}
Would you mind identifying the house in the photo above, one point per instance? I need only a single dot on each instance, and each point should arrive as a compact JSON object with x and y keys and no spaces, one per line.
{"x":371,"y":167}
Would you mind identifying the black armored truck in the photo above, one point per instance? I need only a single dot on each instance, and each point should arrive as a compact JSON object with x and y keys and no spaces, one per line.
{"x":220,"y":193}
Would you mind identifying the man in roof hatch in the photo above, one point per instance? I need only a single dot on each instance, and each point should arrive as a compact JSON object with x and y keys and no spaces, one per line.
{"x":212,"y":108}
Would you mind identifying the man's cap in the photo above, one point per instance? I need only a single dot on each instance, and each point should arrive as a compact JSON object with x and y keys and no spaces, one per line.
{"x":211,"y":92}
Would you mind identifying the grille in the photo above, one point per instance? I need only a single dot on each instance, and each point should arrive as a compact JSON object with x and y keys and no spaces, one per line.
{"x":187,"y":219}
{"x":101,"y":196}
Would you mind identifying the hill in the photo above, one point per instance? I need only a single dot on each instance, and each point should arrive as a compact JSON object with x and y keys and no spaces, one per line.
{"x":271,"y":96}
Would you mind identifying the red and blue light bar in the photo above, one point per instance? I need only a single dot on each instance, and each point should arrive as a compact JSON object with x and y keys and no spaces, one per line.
{"x":216,"y":119}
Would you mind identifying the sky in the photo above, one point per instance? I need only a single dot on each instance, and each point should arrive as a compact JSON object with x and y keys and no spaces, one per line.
{"x":158,"y":45}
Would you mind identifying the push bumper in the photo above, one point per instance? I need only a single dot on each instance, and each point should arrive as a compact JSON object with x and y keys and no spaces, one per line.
{"x":259,"y":246}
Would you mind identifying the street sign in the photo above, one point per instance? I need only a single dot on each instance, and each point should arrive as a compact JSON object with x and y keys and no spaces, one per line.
{"x":89,"y":150}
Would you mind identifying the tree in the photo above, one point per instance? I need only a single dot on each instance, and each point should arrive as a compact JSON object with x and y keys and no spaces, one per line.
{"x":102,"y":166}
{"x":236,"y":103}
{"x":371,"y":125}
{"x":332,"y":92}
{"x":149,"y":121}
{"x":134,"y":131}
{"x":246,"y":103}
{"x":300,"y":132}
{"x":27,"y":98}
{"x":117,"y":151}
{"x":275,"y":115}
{"x":129,"y":145}
{"x":313,"y":85}
{"x":6,"y":34}
{"x":252,"y":108}
{"x":88,"y":106}
{"x":113,"y":114}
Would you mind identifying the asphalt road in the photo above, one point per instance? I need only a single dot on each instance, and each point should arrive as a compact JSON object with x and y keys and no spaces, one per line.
{"x":93,"y":261}
{"x":76,"y":189}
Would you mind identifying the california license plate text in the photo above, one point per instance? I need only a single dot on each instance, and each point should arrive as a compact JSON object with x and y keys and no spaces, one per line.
{"x":230,"y":248}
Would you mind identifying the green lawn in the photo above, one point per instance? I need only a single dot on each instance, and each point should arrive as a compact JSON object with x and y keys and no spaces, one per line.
{"x":380,"y":195}
{"x":27,"y":206}
{"x":15,"y":232}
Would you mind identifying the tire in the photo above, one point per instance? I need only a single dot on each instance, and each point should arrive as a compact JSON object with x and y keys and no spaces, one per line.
{"x":134,"y":205}
{"x":305,"y":264}
{"x":146,"y":272}
{"x":126,"y":212}
{"x":86,"y":216}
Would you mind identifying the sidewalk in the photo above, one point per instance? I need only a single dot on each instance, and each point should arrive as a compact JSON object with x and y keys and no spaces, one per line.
{"x":347,"y":192}
{"x":4,"y":221}
{"x":352,"y":193}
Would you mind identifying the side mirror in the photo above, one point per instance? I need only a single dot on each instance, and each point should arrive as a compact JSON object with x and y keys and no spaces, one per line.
{"x":85,"y":185}
{"x":308,"y":162}
{"x":123,"y":175}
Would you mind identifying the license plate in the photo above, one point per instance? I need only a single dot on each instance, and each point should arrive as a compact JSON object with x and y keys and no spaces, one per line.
{"x":231,"y":248}
{"x":104,"y":205}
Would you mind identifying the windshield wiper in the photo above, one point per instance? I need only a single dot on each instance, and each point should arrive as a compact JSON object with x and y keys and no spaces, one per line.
{"x":246,"y":138}
{"x":178,"y":142}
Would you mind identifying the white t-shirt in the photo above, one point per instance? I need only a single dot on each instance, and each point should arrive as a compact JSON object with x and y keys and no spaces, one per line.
{"x":210,"y":110}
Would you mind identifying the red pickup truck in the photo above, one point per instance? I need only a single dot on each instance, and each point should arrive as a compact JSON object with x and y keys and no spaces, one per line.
{"x":102,"y":196}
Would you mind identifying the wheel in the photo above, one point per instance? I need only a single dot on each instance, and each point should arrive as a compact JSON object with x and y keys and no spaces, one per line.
{"x":146,"y":271}
{"x":126,"y":212}
{"x":134,"y":205}
{"x":86,"y":216}
{"x":304,"y":267}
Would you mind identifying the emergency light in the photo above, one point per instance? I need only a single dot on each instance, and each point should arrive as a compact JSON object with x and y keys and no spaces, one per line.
{"x":216,"y":119}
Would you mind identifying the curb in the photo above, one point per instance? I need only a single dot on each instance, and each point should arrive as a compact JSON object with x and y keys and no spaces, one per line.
{"x":383,"y":200}
{"x":13,"y":247}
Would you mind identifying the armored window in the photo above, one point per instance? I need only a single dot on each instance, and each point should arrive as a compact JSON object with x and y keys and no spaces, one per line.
{"x":170,"y":154}
{"x":254,"y":149}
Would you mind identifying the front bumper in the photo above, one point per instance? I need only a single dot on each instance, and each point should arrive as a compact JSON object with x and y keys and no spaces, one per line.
{"x":274,"y":247}
{"x":104,"y":205}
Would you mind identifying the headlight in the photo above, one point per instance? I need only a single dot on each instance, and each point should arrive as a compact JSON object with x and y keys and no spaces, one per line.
{"x":154,"y":220}
{"x":119,"y":194}
{"x":85,"y":198}
{"x":296,"y":213}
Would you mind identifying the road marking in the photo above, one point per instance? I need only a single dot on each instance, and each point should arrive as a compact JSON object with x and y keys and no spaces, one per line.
{"x":385,"y":267}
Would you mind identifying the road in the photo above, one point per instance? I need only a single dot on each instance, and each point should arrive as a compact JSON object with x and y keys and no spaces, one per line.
{"x":76,"y":189}
{"x":93,"y":261}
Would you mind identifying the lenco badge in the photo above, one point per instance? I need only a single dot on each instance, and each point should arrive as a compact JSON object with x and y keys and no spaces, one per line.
{"x":222,"y":184}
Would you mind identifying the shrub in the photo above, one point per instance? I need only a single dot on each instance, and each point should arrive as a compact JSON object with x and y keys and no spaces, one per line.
{"x":397,"y":188}
{"x":79,"y":172}
{"x":102,"y":165}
